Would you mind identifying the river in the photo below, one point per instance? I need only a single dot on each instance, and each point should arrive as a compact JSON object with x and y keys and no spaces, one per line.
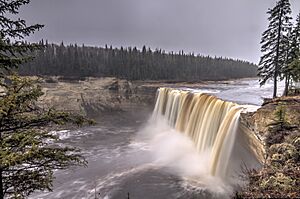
{"x":121,"y":164}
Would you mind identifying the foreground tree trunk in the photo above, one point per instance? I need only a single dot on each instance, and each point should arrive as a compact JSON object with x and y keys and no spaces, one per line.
{"x":275,"y":86}
{"x":287,"y":84}
{"x":277,"y":54}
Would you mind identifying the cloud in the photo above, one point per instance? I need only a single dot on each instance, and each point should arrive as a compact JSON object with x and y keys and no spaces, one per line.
{"x":230,"y":28}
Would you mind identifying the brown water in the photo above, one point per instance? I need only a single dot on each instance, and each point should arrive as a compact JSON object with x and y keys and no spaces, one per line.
{"x":126,"y":154}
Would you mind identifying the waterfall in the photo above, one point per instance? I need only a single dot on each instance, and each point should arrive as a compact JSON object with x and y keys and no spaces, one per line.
{"x":211,"y":123}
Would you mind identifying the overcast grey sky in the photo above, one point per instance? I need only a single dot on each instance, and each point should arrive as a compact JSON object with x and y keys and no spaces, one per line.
{"x":230,"y":28}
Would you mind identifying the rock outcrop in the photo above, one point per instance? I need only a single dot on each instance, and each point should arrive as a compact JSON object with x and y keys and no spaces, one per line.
{"x":259,"y":120}
{"x":277,"y":124}
{"x":92,"y":96}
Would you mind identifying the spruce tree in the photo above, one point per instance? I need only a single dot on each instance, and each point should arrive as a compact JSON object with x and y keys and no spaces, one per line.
{"x":295,"y":40}
{"x":28,"y":150}
{"x":13,"y":47}
{"x":289,"y":57}
{"x":273,"y":43}
{"x":292,"y":65}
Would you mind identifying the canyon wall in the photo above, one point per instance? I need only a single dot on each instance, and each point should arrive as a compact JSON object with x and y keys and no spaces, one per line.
{"x":92,"y":96}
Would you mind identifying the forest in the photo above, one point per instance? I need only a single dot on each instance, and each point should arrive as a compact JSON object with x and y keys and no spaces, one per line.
{"x":133,"y":64}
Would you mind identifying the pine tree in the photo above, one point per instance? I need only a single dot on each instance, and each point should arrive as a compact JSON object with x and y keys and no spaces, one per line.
{"x":13,"y":48}
{"x":273,"y":43}
{"x":291,"y":70}
{"x":295,"y":70}
{"x":289,"y":57}
{"x":295,"y":40}
{"x":28,"y":153}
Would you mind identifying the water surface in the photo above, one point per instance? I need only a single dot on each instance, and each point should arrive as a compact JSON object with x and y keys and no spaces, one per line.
{"x":120,"y":163}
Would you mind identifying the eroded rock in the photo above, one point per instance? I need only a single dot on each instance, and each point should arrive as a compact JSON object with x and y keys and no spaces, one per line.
{"x":92,"y":96}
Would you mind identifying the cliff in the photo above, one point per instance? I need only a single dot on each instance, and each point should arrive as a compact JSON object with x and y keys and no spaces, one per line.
{"x":91,"y":96}
{"x":259,"y":120}
{"x":277,"y":124}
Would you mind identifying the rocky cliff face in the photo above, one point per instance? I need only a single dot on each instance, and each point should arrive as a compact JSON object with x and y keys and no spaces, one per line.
{"x":92,"y":96}
{"x":277,"y":123}
{"x":258,"y":121}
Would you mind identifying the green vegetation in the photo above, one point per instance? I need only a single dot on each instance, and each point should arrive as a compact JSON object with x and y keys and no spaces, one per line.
{"x":295,"y":70}
{"x":13,"y":48}
{"x":280,"y":175}
{"x":280,"y":47}
{"x":28,"y":151}
{"x":133,"y":64}
{"x":291,"y":70}
{"x":274,"y":43}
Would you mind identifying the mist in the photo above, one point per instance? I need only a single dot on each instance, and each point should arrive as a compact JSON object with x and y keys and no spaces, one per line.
{"x":176,"y":153}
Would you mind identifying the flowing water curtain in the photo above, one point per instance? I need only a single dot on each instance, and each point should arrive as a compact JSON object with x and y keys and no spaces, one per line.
{"x":168,"y":105}
{"x":172,"y":106}
{"x":160,"y":103}
{"x":222,"y":148}
{"x":210,"y":122}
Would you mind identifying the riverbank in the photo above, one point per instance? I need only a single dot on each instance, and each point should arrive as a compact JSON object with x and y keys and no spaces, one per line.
{"x":96,"y":96}
{"x":277,"y":124}
{"x":93,"y":96}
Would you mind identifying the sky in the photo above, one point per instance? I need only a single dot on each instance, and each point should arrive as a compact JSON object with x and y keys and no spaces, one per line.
{"x":227,"y":28}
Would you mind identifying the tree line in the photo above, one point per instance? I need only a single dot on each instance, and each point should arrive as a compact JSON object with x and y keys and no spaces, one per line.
{"x":133,"y":64}
{"x":280,"y":45}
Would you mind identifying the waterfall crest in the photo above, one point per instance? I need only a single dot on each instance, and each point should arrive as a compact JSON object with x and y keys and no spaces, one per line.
{"x":210,"y":123}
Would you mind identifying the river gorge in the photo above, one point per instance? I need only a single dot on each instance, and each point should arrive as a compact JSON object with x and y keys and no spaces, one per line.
{"x":190,"y":143}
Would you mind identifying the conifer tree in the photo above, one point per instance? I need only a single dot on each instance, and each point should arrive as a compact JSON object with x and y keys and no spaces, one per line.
{"x":294,"y":69}
{"x":273,"y":43}
{"x":13,"y":48}
{"x":295,"y":40}
{"x":291,"y":68}
{"x":28,"y":151}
